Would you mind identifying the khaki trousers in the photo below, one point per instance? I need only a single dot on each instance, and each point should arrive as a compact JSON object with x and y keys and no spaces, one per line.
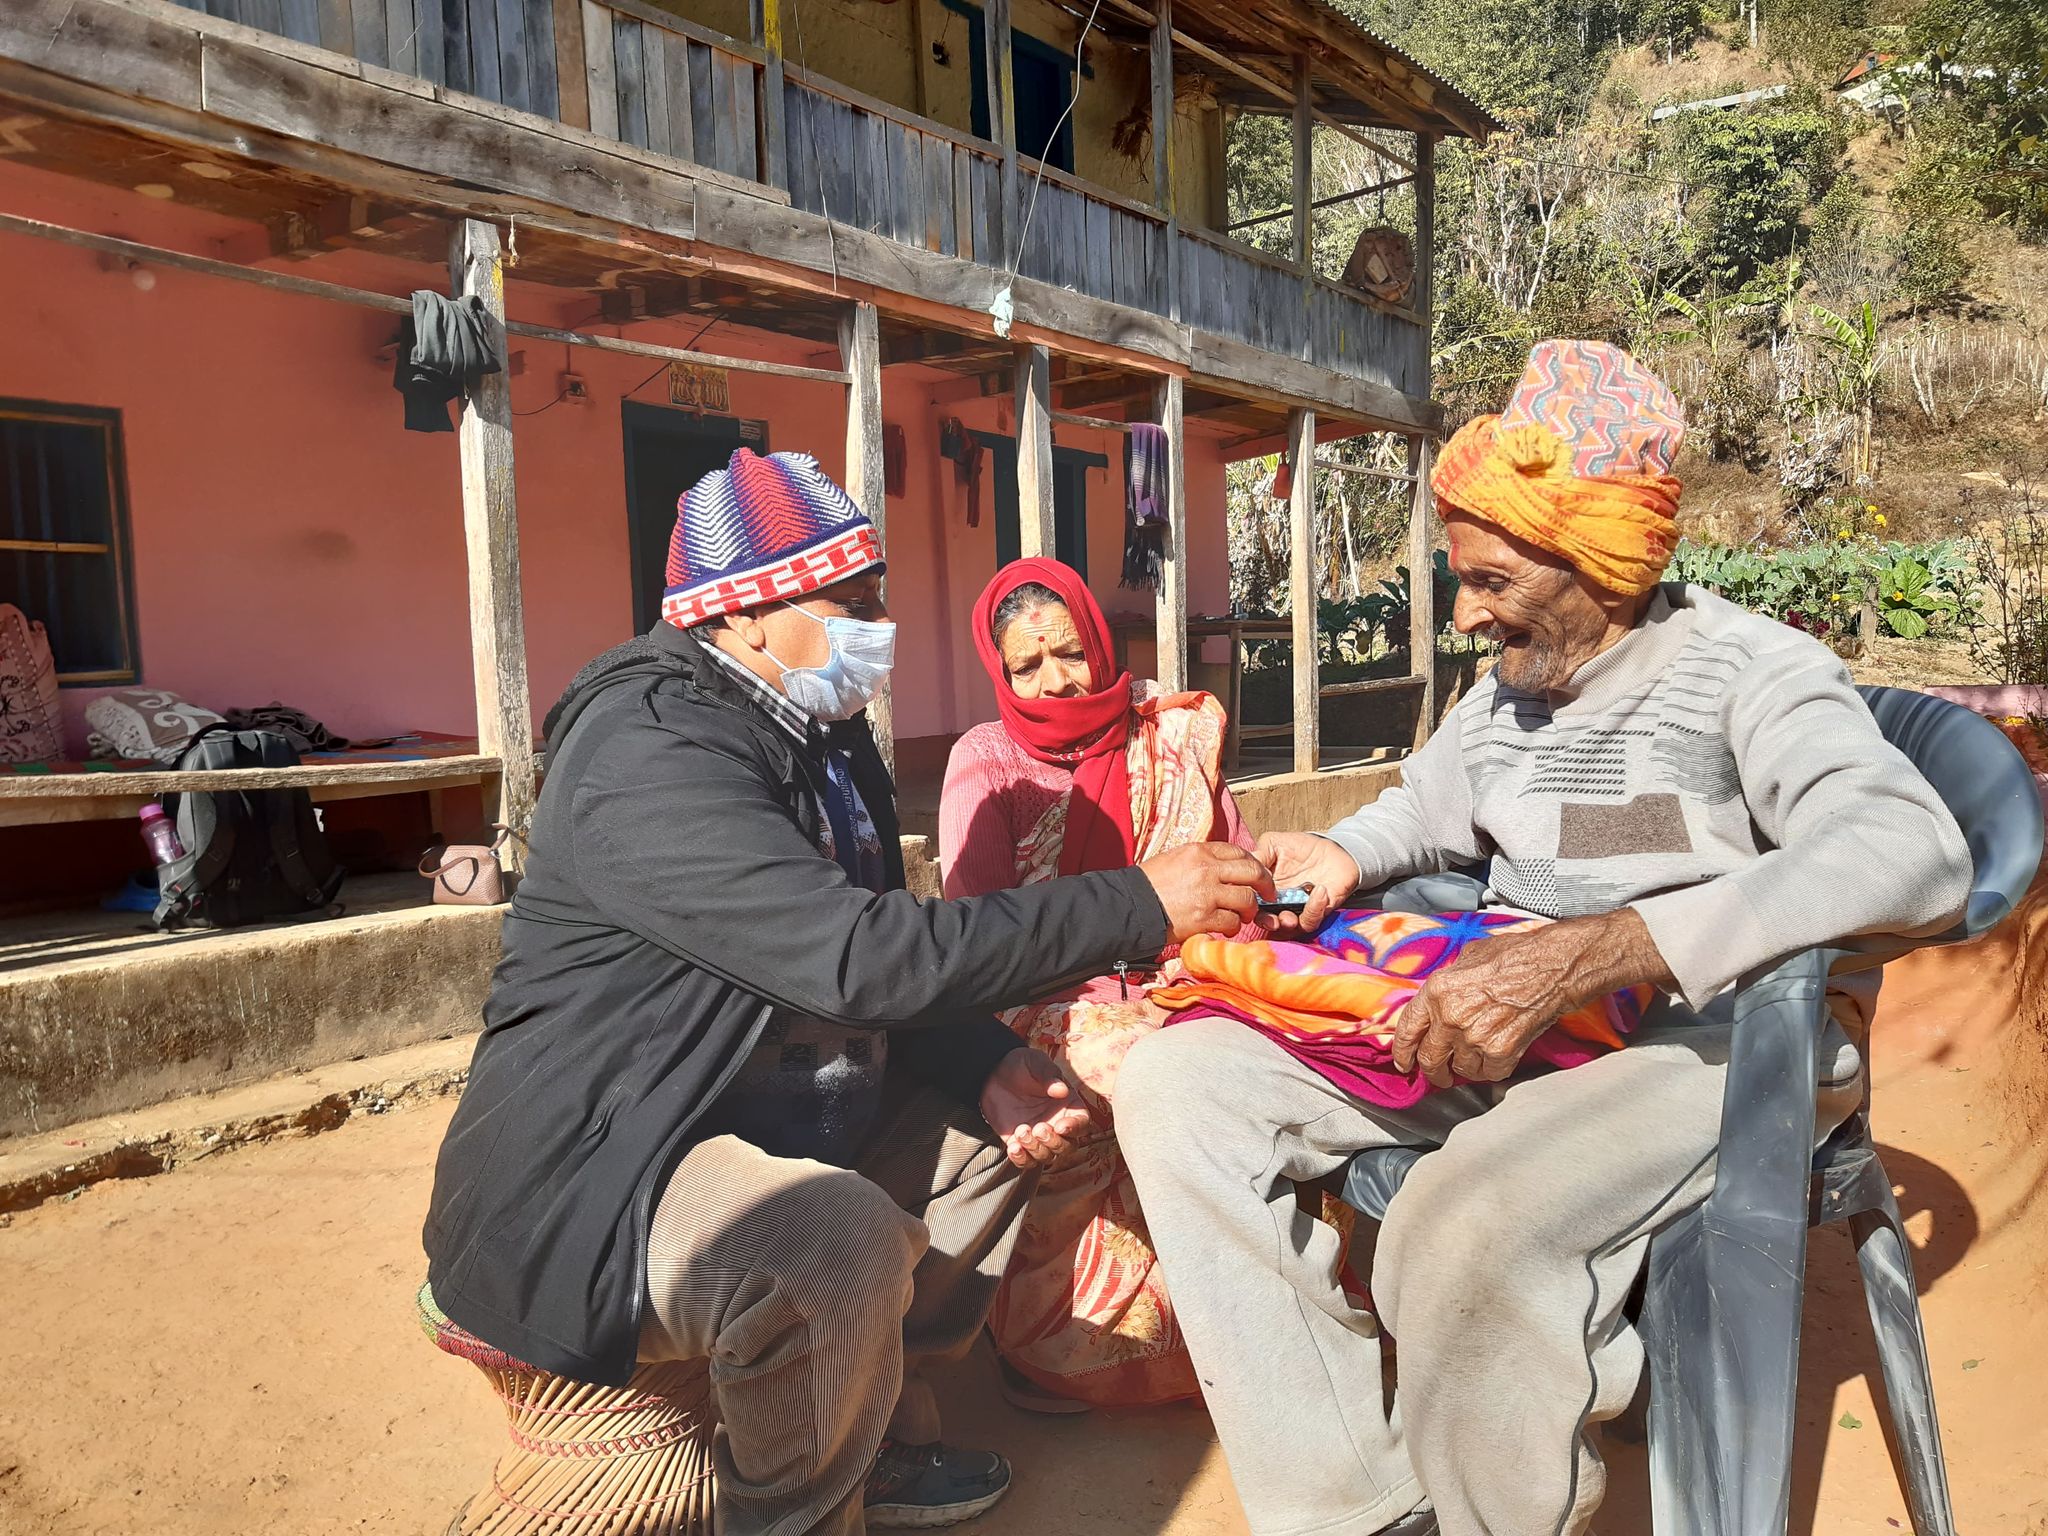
{"x":1501,"y":1271}
{"x":809,"y":1287}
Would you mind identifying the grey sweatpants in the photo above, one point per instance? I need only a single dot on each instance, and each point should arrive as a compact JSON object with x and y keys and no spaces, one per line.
{"x":815,"y":1291}
{"x":1501,"y":1270}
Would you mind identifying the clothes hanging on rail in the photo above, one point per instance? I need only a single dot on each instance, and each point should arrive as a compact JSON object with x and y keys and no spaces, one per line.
{"x":444,"y":347}
{"x":965,"y":450}
{"x":1147,"y":505}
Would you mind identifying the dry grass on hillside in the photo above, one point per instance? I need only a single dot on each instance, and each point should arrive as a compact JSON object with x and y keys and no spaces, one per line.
{"x":1709,"y":68}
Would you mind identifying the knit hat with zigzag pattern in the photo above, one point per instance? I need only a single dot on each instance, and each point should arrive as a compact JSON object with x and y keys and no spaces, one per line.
{"x":761,"y":531}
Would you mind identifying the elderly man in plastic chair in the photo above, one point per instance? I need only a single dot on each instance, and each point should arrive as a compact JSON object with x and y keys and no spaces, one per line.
{"x":1693,"y":793}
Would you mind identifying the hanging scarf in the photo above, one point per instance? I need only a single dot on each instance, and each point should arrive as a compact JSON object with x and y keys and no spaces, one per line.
{"x":1145,"y":505}
{"x":1087,"y":733}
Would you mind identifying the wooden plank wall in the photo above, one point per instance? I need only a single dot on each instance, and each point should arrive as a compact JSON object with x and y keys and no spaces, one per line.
{"x":670,"y":93}
{"x":890,"y":178}
{"x":298,"y":20}
{"x":1092,"y":246}
{"x":1259,"y":302}
{"x":502,"y":50}
{"x":928,"y":189}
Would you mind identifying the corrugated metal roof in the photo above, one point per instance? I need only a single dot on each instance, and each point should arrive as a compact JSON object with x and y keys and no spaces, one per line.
{"x":1413,"y":63}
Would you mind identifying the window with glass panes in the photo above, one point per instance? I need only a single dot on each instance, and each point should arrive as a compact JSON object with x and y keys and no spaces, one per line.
{"x":64,"y":535}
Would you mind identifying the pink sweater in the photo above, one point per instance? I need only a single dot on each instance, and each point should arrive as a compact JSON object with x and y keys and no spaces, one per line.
{"x":995,"y":794}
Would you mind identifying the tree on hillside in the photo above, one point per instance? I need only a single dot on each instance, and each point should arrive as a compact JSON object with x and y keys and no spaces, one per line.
{"x":1816,"y":39}
{"x":1750,"y":175}
{"x":1990,"y":58}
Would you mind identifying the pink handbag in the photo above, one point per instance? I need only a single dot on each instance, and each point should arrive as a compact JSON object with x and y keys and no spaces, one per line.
{"x":467,"y":874}
{"x":31,"y":723}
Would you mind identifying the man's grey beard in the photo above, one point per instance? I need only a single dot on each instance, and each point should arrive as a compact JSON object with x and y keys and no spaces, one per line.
{"x":1531,"y":669}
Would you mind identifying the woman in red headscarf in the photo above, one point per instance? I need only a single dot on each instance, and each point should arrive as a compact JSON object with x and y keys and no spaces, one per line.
{"x":1085,"y":769}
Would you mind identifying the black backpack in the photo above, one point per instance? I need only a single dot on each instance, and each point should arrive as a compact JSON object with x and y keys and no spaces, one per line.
{"x":251,"y":855}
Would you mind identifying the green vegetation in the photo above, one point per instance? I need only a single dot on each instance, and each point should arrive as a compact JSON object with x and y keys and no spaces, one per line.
{"x":1992,"y":57}
{"x":1915,"y":590}
{"x":1754,"y":173}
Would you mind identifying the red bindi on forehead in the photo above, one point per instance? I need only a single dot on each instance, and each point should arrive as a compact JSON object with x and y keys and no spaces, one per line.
{"x":1037,"y":631}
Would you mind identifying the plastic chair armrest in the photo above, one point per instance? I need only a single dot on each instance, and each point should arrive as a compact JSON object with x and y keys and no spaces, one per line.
{"x":1768,"y":1110}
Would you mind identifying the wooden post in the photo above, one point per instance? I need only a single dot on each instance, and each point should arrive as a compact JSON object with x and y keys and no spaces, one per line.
{"x":1163,"y":177}
{"x":1866,"y":619}
{"x":1215,"y":137}
{"x":766,"y":19}
{"x":1304,"y":141}
{"x":1002,"y":120}
{"x":1170,"y":610}
{"x":1422,"y":615}
{"x":1425,"y":253}
{"x":1423,"y":619}
{"x":490,"y":523}
{"x":860,"y":354}
{"x":921,"y":57}
{"x":1302,"y":570}
{"x":1035,"y":535}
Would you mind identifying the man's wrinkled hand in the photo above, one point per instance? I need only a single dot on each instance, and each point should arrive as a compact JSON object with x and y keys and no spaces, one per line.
{"x":1476,"y":1017}
{"x":1207,"y":888}
{"x":1034,"y":1109}
{"x":1304,"y":859}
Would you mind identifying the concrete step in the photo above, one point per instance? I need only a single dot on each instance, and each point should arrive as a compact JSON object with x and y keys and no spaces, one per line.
{"x":100,"y":1015}
{"x":59,"y":1163}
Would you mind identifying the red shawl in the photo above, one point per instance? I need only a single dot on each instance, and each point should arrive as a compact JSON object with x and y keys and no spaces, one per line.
{"x":1088,"y":732}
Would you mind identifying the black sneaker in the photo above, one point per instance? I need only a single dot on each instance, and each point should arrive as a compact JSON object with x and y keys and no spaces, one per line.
{"x":919,"y":1487}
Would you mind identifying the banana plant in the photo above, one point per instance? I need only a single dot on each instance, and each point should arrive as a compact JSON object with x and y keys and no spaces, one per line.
{"x":1856,"y":355}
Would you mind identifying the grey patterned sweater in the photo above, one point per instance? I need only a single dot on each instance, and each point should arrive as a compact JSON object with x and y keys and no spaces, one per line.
{"x":1715,"y":770}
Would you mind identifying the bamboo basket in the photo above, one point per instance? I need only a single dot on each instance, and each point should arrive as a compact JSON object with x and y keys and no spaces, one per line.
{"x":587,"y":1460}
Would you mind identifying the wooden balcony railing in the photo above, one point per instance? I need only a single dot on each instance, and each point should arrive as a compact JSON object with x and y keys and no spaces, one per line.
{"x":1265,"y":302}
{"x":1090,"y":240}
{"x":644,"y":77}
{"x":890,"y":172}
{"x":663,"y":84}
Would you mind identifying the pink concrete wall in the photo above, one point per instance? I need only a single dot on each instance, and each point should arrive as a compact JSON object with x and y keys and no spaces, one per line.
{"x":291,"y":541}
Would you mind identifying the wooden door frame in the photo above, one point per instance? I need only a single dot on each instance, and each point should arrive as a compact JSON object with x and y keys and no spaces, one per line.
{"x":636,"y":416}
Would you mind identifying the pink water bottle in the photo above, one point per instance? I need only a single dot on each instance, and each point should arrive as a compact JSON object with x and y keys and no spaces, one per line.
{"x":159,"y":836}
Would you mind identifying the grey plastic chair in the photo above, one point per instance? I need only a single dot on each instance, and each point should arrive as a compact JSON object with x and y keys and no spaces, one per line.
{"x":1724,"y":1287}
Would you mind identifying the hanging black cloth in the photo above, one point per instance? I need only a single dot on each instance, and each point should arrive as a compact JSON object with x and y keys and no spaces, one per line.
{"x":444,"y":348}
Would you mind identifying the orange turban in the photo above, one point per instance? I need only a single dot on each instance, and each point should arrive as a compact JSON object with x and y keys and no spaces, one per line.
{"x":1578,"y":463}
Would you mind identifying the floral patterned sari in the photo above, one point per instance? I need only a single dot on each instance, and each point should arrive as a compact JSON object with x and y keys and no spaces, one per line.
{"x":1083,"y":1310}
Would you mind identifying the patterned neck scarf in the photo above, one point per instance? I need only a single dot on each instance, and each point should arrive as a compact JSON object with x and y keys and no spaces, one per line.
{"x":847,"y":834}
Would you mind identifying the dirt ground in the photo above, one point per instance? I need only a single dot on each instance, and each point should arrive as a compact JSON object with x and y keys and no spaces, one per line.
{"x":231,"y":1347}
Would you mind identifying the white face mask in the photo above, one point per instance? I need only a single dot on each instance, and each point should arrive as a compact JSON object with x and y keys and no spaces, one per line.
{"x":860,"y":654}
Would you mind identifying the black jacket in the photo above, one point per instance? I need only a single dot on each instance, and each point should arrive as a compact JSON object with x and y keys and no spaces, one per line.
{"x":674,"y":899}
